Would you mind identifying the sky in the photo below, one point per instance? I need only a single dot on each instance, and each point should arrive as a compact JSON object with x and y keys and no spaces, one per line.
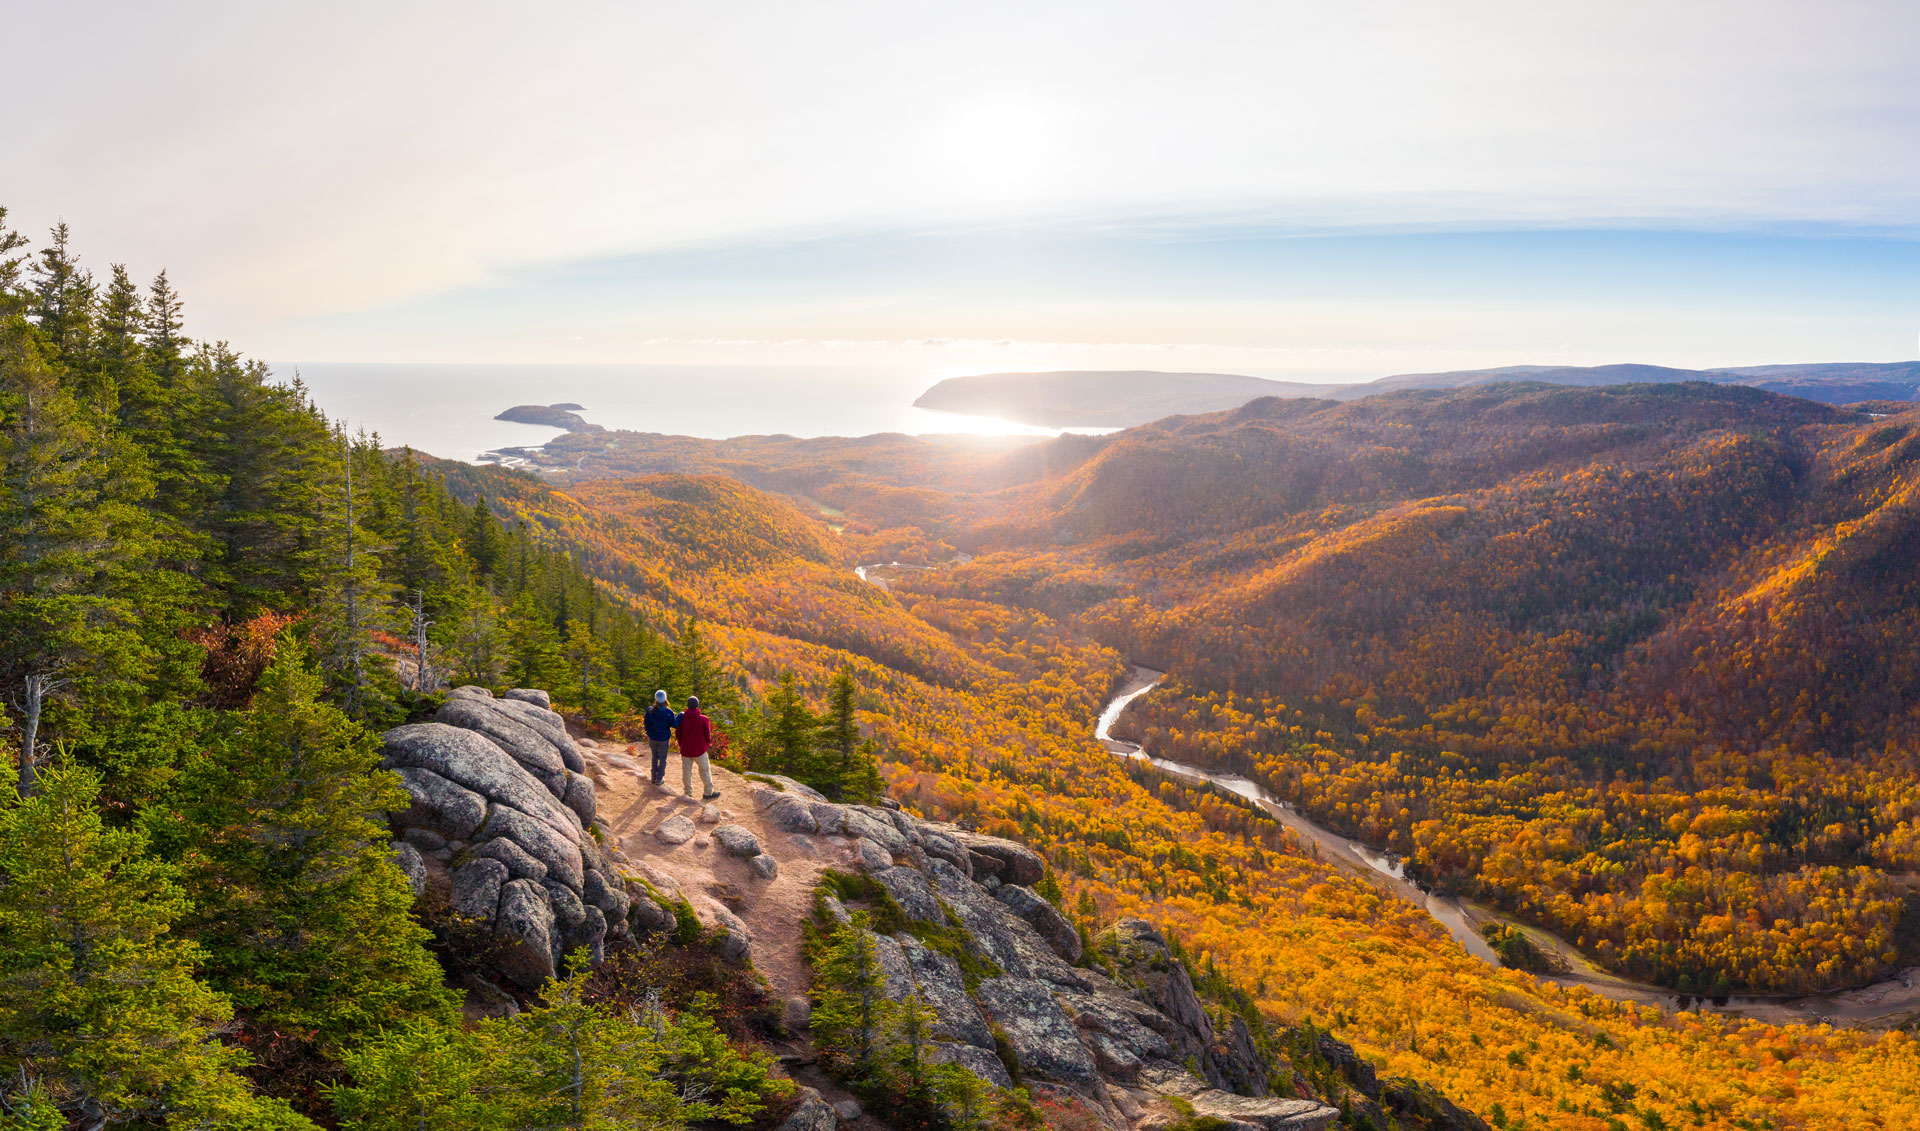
{"x":1289,"y":189}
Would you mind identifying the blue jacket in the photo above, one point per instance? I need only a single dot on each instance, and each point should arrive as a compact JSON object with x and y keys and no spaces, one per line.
{"x":660,"y":722}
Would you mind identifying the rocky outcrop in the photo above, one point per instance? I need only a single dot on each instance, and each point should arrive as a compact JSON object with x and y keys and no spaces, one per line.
{"x":1123,"y":1039}
{"x":502,"y":818}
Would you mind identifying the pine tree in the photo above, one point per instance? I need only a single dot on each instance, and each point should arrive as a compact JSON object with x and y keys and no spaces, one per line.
{"x":98,"y":1004}
{"x":428,"y":1076}
{"x":354,"y":602}
{"x":595,"y":1071}
{"x":789,"y":744}
{"x":63,"y":296}
{"x":305,"y":915}
{"x":851,"y":1011}
{"x":164,"y":321}
{"x":13,"y":257}
{"x":61,"y":537}
{"x":481,"y":537}
{"x":473,"y":640}
{"x":839,"y":733}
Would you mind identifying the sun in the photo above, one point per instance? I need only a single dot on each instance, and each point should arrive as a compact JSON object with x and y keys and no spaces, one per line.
{"x":998,"y":149}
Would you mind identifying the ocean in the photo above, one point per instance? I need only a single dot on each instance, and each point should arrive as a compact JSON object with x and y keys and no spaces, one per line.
{"x":447,"y":410}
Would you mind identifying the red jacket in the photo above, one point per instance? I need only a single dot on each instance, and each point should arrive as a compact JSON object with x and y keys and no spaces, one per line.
{"x":696,"y":733}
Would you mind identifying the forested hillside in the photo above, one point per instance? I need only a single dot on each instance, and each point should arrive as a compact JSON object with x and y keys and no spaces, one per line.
{"x":1640,"y":663}
{"x":993,"y":728}
{"x":210,"y":599}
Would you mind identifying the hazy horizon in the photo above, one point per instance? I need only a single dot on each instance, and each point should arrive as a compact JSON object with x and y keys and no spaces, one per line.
{"x":1287,"y":191}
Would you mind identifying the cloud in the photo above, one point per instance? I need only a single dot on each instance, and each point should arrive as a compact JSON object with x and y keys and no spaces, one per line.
{"x":285,"y":166}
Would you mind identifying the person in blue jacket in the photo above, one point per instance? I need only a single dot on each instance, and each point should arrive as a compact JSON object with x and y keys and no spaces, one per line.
{"x":660,"y":722}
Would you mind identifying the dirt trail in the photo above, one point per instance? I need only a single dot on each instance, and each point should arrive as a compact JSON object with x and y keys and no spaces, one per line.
{"x":772,"y":910}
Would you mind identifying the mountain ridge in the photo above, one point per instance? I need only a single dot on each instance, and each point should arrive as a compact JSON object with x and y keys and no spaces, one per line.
{"x":1126,"y":398}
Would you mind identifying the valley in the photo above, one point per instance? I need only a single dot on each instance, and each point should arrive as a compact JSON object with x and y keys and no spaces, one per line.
{"x":1894,"y":1001}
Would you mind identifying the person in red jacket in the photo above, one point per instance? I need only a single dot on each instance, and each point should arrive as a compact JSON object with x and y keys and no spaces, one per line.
{"x":696,"y":734}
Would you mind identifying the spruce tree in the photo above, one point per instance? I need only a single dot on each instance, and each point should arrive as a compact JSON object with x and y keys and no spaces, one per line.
{"x":482,"y":538}
{"x":851,"y":1011}
{"x":164,"y":321}
{"x":789,"y":744}
{"x":304,"y":914}
{"x":99,"y":1009}
{"x":62,"y":537}
{"x":840,"y":733}
{"x":63,"y":296}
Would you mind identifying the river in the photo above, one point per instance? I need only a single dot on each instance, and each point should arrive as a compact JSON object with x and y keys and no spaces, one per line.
{"x":1891,"y":1002}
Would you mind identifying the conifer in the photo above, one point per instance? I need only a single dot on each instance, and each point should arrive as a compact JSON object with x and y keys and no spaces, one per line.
{"x":99,"y":1008}
{"x":305,"y":915}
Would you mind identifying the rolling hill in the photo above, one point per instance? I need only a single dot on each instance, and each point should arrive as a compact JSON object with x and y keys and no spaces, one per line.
{"x":1124,"y":399}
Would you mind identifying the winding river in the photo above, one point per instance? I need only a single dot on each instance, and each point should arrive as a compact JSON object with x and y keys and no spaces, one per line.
{"x":1893,"y":1001}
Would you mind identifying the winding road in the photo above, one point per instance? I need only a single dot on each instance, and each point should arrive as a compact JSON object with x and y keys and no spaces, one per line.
{"x":1889,"y":1003}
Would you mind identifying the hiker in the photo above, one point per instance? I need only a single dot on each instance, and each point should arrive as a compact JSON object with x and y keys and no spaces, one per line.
{"x":659,"y":722}
{"x":696,"y":732}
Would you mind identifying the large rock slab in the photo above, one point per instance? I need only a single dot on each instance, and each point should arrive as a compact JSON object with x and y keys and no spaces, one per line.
{"x":1147,"y":962}
{"x":525,"y":925}
{"x":540,"y":841}
{"x":1018,"y":863}
{"x":896,"y":974}
{"x":1269,"y":1114}
{"x":1042,"y":1036}
{"x":519,"y":862}
{"x":476,"y":887}
{"x":527,"y":746}
{"x":986,"y":921}
{"x":675,"y":830}
{"x":944,"y":990}
{"x":792,"y":815}
{"x":909,"y":889}
{"x":447,"y":809}
{"x":1043,"y":917}
{"x":472,"y":761}
{"x":983,"y":1063}
{"x":551,"y":726}
{"x":882,"y":833}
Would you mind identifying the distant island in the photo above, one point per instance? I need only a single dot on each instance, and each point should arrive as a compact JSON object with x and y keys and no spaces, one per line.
{"x":551,"y":415}
{"x":1123,"y":399}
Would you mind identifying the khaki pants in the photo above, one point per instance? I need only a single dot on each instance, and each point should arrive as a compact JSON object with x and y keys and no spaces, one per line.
{"x":686,"y":773}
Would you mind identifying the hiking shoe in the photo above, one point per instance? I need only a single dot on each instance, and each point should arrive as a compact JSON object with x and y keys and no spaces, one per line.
{"x":711,"y":796}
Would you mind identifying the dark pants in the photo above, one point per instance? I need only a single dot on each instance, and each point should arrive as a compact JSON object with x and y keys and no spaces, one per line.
{"x":659,"y":747}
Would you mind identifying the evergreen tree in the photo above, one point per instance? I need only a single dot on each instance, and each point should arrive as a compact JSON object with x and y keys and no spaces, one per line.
{"x":304,"y":914}
{"x":863,"y":784}
{"x":354,"y":601}
{"x":13,"y":257}
{"x":567,"y":1062}
{"x":471,"y":640}
{"x":99,"y":1010}
{"x":482,"y":539}
{"x":61,"y":538}
{"x":839,"y":733}
{"x":63,"y":296}
{"x":427,"y":1076}
{"x":164,"y":321}
{"x":789,"y":741}
{"x":850,"y":1007}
